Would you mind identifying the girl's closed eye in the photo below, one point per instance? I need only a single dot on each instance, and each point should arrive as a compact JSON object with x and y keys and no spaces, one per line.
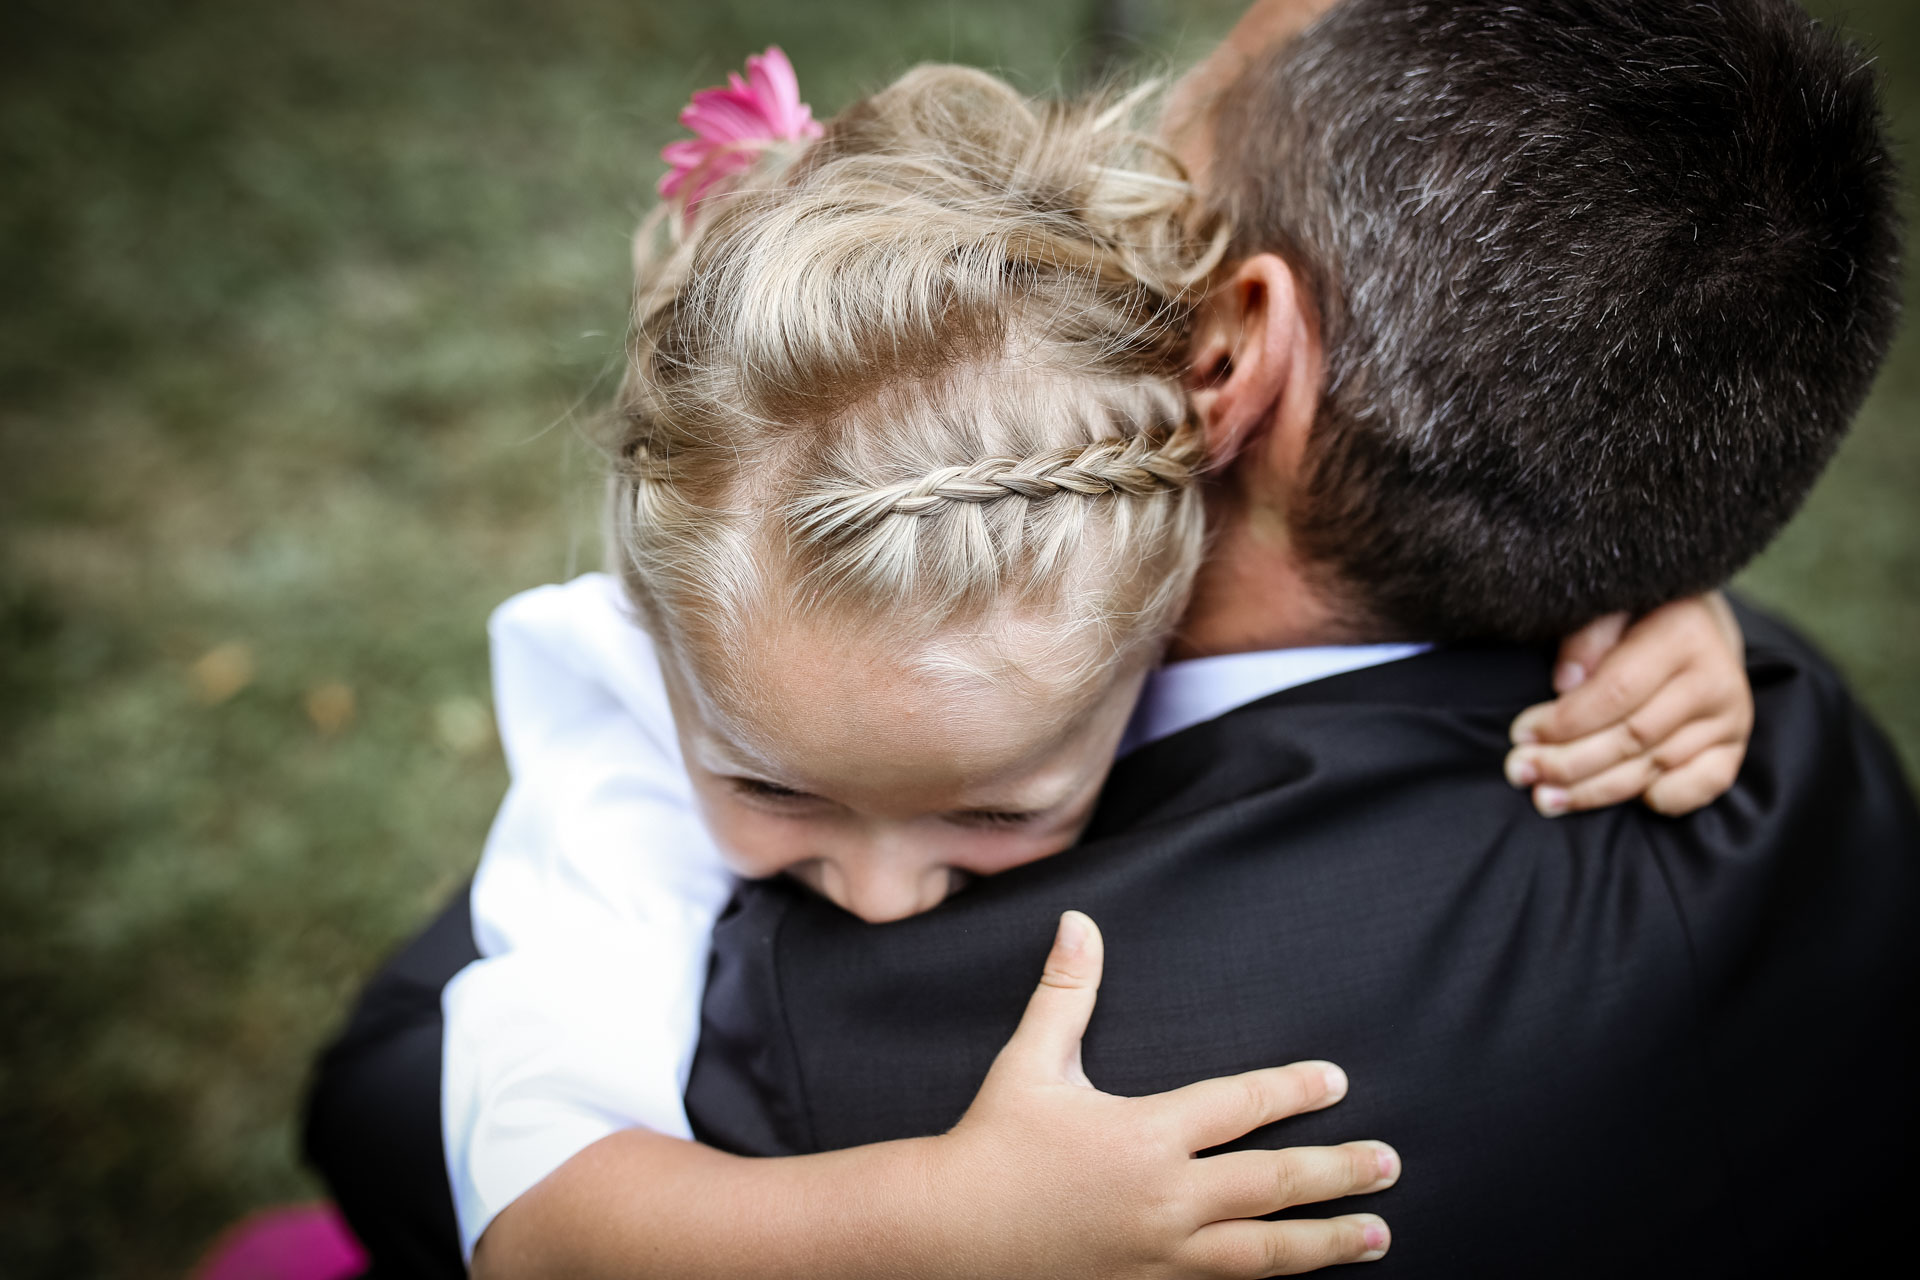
{"x":991,"y":818}
{"x":761,"y":789}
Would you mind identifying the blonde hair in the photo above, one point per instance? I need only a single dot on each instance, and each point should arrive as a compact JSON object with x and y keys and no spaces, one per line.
{"x":924,"y":374}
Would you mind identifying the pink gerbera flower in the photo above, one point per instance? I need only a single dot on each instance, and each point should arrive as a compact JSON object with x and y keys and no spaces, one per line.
{"x":733,"y":125}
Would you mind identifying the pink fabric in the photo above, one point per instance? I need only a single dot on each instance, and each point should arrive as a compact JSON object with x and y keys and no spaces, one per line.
{"x":732,"y":125}
{"x":299,"y":1242}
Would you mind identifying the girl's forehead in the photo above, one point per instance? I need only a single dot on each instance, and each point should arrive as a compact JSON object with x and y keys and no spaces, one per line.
{"x":830,"y":710}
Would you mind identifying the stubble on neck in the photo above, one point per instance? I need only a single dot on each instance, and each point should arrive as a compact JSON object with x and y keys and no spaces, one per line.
{"x":1255,"y":591}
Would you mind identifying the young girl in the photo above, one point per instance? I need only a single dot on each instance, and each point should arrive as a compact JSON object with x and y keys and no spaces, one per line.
{"x":905,"y":509}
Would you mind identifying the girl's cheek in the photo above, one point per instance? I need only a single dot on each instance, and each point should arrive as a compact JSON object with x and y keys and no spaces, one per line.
{"x":992,"y":853}
{"x":754,"y":844}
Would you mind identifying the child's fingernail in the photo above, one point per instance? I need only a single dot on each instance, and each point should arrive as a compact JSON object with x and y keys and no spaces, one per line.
{"x":1524,"y":731}
{"x":1336,"y":1082}
{"x":1376,"y":1238}
{"x":1387,"y":1161}
{"x":1521,"y":770}
{"x":1073,"y":932}
{"x":1552,"y":801}
{"x":1568,"y":676}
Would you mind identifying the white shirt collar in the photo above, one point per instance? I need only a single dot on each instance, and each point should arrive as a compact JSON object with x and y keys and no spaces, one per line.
{"x":1182,"y":694}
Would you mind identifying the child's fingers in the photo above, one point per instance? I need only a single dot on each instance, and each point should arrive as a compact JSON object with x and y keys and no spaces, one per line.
{"x":1246,"y":1250}
{"x":1720,"y":609}
{"x":1691,"y":741}
{"x":1702,"y":780}
{"x":1227,"y":1107}
{"x":1560,"y":766}
{"x":1046,"y":1044}
{"x":1581,"y":653}
{"x":1617,"y":785}
{"x":1698,"y":783}
{"x":1653,"y":651}
{"x":1608,"y":696}
{"x":1676,"y":776}
{"x":1682,"y":704}
{"x":1252,"y":1184}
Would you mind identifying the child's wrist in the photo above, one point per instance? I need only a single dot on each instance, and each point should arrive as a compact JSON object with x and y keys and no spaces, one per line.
{"x":878,"y":1211}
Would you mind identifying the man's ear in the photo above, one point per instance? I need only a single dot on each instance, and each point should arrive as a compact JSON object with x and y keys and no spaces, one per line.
{"x":1254,"y":353}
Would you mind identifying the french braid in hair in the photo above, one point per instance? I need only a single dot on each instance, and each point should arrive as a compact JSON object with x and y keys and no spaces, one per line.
{"x":1148,"y":463}
{"x":924,"y":370}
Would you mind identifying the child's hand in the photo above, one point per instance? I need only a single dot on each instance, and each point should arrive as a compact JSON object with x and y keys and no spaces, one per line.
{"x":1044,"y":1178}
{"x":1047,"y":1176}
{"x":1660,"y":709}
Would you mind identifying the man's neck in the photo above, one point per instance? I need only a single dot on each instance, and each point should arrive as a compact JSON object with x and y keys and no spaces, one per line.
{"x":1254,"y":592}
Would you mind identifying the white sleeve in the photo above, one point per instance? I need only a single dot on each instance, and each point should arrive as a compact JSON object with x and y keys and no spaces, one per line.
{"x":593,"y":908}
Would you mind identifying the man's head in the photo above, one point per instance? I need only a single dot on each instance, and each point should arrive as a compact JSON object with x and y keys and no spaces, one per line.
{"x":1596,"y":285}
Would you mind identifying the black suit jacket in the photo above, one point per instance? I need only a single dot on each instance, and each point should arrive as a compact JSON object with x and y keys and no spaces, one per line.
{"x":1601,"y":1042}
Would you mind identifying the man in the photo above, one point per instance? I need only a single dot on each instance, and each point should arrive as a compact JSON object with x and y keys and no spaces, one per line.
{"x":1329,"y":872}
{"x":1540,"y":310}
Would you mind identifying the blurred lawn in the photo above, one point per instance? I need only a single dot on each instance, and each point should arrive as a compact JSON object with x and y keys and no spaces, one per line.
{"x":305,"y":305}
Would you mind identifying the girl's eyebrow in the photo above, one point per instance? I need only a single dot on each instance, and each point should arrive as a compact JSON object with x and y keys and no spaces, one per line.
{"x":724,"y":753}
{"x":1030,"y":802}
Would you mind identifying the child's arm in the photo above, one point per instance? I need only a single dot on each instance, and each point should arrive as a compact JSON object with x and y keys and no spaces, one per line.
{"x":593,"y":908}
{"x":1044,"y":1176}
{"x":566,"y":1047}
{"x":1658,"y":710}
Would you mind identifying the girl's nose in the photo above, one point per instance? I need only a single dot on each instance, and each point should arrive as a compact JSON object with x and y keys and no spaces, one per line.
{"x":880,"y":894}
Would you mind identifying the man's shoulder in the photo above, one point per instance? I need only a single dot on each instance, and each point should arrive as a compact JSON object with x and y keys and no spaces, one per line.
{"x":1812,"y":739}
{"x":1430,"y":729}
{"x":1433,"y":723}
{"x":1777,"y":649}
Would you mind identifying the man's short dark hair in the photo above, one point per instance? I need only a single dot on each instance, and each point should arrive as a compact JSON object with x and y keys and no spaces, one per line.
{"x":1602,"y":284}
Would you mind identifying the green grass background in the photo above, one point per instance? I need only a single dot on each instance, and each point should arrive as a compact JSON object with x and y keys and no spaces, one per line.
{"x":305,"y":305}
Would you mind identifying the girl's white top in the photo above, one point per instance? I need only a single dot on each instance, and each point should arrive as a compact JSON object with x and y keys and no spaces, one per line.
{"x":596,"y":897}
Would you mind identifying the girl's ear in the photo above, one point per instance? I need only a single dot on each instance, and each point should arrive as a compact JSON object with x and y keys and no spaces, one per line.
{"x":1252,"y":346}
